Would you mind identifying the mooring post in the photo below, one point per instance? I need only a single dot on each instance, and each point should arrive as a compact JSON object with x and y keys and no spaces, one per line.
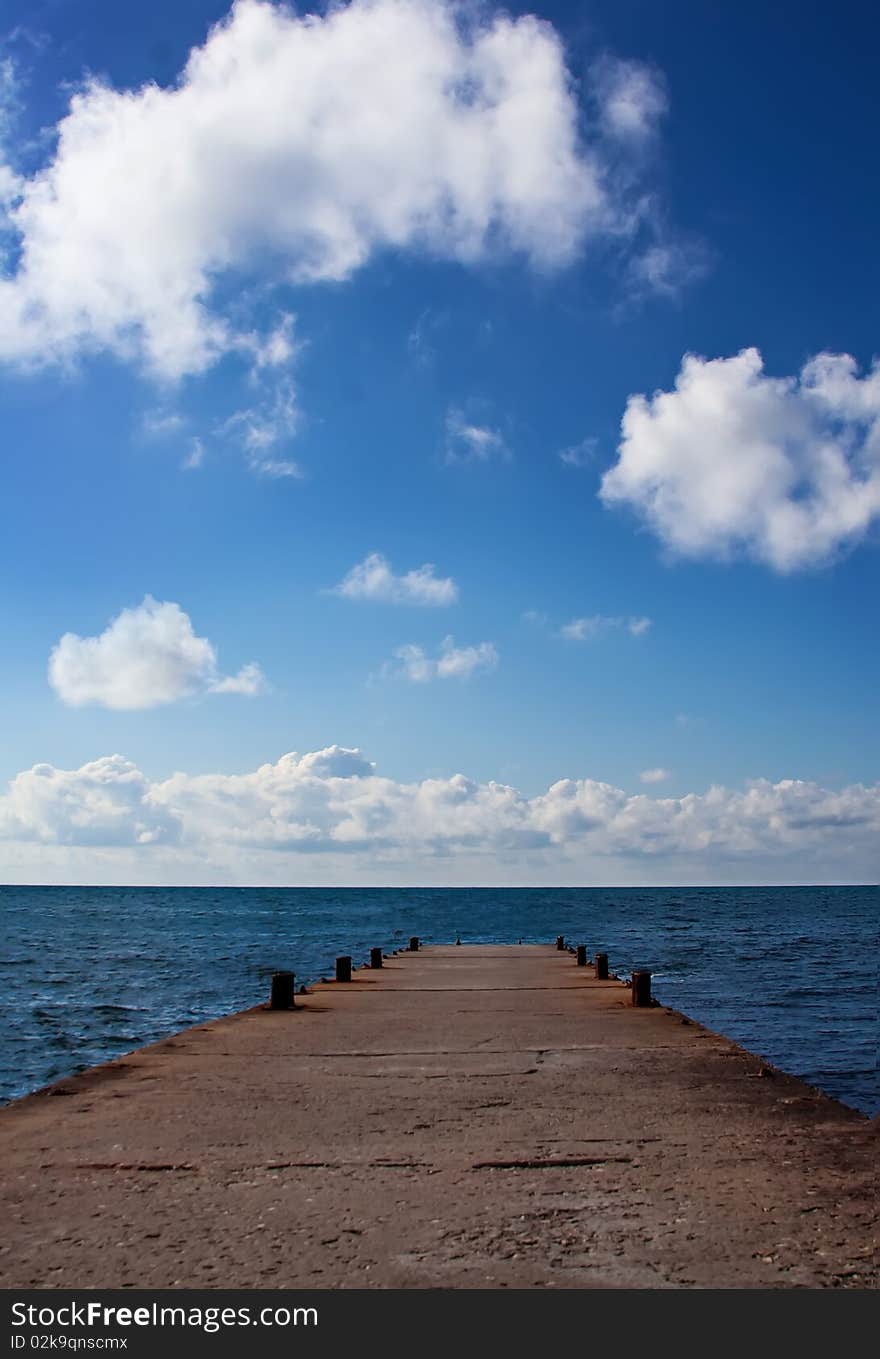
{"x":560,"y":942}
{"x":581,"y":955}
{"x":641,"y":987}
{"x":601,"y":966}
{"x":343,"y":969}
{"x":283,"y":990}
{"x":414,"y":944}
{"x":375,"y":957}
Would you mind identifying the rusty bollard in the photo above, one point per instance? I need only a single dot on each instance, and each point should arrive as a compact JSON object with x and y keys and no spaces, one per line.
{"x":581,"y":955}
{"x":414,"y":944}
{"x":601,"y":966}
{"x":283,"y":989}
{"x":343,"y":969}
{"x":641,"y":987}
{"x":375,"y":957}
{"x":560,"y":942}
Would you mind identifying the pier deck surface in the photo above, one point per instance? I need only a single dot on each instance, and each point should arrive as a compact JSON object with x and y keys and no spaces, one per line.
{"x":466,"y":1117}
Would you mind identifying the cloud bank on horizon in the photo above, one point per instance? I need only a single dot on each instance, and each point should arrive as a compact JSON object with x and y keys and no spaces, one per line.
{"x":328,"y":815}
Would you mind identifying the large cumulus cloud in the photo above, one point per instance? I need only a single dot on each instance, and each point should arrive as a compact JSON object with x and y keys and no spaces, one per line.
{"x":734,"y":462}
{"x":301,"y":146}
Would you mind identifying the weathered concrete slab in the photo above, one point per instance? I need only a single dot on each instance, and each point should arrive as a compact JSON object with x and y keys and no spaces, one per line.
{"x":465,"y":1117}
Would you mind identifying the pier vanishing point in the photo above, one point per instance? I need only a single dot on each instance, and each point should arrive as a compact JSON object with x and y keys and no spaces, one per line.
{"x":459,"y":1117}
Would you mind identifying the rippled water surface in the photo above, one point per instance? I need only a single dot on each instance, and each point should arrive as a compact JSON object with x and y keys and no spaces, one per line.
{"x":88,"y":973}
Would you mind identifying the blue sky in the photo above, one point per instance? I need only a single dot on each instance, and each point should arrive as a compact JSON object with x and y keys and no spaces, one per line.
{"x":388,"y":282}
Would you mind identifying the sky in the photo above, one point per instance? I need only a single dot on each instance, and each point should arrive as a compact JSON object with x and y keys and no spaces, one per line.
{"x":441,"y":442}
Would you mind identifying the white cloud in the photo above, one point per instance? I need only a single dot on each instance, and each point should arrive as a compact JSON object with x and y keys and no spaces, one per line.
{"x":11,"y":183}
{"x":452,"y":663}
{"x":419,"y":341}
{"x":588,"y":629}
{"x":583,"y":629}
{"x":689,"y":720}
{"x":654,"y":775}
{"x":632,"y":98}
{"x":373,"y":579}
{"x":145,"y":657}
{"x":271,"y":421}
{"x":195,"y":457}
{"x":303,"y":145}
{"x":666,"y":266}
{"x":467,"y":441}
{"x":579,"y":455}
{"x":250,"y":680}
{"x":329,"y":815}
{"x":106,"y":802}
{"x":277,"y":349}
{"x":162,"y":424}
{"x":783,"y":470}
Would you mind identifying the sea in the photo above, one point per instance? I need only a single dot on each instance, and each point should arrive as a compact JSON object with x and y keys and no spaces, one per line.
{"x":90,"y":973}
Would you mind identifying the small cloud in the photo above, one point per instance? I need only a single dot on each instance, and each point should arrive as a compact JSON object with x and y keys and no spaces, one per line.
{"x":36,"y":39}
{"x":452,"y":663}
{"x":632,"y":99}
{"x":654,"y":775}
{"x":146,"y":657}
{"x":666,"y":267}
{"x":467,"y":441}
{"x":419,"y":341}
{"x":686,"y":720}
{"x":535,"y":617}
{"x":277,"y":468}
{"x":579,"y":455}
{"x":12,"y":185}
{"x":195,"y":457}
{"x":584,"y":629}
{"x":250,"y":680}
{"x":587,"y":629}
{"x":160,"y":424}
{"x":373,"y":579}
{"x":275,"y":349}
{"x":262,"y":427}
{"x":733,"y":462}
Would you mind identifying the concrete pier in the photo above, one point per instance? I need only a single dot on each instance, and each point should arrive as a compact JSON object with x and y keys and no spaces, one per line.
{"x":463,"y":1117}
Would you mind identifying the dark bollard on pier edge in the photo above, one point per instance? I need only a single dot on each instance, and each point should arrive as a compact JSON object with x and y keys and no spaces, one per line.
{"x":375,"y":957}
{"x":414,"y":944}
{"x":601,"y":967}
{"x":343,"y":969}
{"x":560,"y":942}
{"x":283,"y":991}
{"x":581,"y":955}
{"x":641,"y":987}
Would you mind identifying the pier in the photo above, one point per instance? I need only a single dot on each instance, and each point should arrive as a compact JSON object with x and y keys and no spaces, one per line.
{"x":448,"y":1117}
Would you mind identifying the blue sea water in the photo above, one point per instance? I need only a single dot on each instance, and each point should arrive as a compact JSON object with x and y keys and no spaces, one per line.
{"x":89,"y":973}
